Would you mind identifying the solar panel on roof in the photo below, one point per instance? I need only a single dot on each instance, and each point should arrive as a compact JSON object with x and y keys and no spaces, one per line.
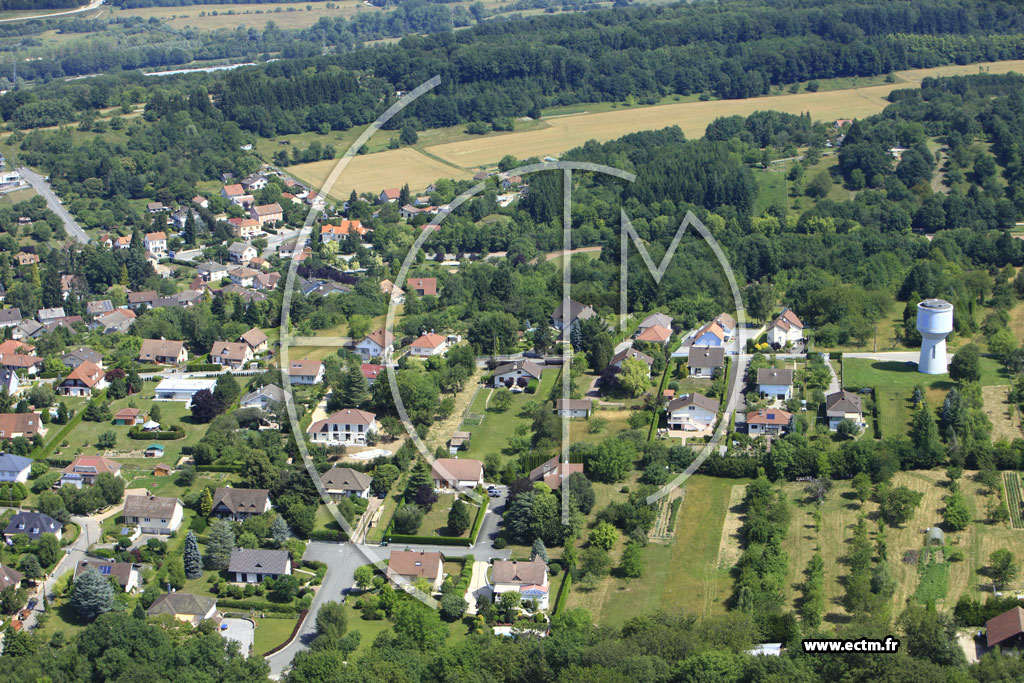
{"x":771,"y":416}
{"x":104,"y":569}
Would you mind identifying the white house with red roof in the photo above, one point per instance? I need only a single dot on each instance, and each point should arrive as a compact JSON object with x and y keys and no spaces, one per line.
{"x":787,"y":328}
{"x":156,"y":242}
{"x":377,"y":344}
{"x":305,"y":371}
{"x":371,"y":371}
{"x":430,"y":344}
{"x":83,"y":380}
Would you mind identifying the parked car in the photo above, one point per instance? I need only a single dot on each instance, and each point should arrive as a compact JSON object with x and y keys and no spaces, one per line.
{"x":23,"y":614}
{"x":32,"y":603}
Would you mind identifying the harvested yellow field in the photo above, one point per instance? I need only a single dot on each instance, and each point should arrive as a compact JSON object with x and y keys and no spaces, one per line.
{"x":566,"y":132}
{"x":374,"y":172}
{"x":283,"y":15}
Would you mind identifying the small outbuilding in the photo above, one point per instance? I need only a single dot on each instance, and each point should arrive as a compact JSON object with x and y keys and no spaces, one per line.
{"x":934,"y":536}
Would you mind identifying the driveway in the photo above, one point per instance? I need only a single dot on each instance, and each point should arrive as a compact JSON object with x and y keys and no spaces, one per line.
{"x":242,"y":631}
{"x":478,"y":585}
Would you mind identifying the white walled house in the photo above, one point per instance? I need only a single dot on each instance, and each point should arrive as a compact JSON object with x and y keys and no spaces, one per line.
{"x":511,"y":372}
{"x":377,"y":344}
{"x":429,"y":344}
{"x":347,"y":427}
{"x":843,"y":405}
{"x":529,"y":579}
{"x":457,"y":473}
{"x":14,"y":467}
{"x":153,"y":514}
{"x":306,"y":371}
{"x":776,"y":383}
{"x":252,"y":565}
{"x":693,"y":409}
{"x":182,"y":389}
{"x":785,"y":329}
{"x":156,"y":242}
{"x":573,"y":407}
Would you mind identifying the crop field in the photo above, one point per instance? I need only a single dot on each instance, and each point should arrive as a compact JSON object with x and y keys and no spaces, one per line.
{"x":374,"y":172}
{"x":566,"y":132}
{"x":284,"y":15}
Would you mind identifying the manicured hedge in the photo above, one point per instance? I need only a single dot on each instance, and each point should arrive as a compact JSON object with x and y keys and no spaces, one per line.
{"x":203,"y":367}
{"x":328,"y":535}
{"x":563,"y":593}
{"x":257,"y":605}
{"x":170,"y":435}
{"x":477,"y":522}
{"x":426,"y":540}
{"x":218,"y":468}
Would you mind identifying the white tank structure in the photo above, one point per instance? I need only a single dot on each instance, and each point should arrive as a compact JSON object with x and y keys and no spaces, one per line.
{"x":934,"y":322}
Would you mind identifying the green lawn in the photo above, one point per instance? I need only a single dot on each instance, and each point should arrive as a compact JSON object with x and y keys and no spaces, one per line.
{"x":771,"y":190}
{"x":891,"y":377}
{"x":271,"y":632}
{"x":435,"y":522}
{"x":894,"y":411}
{"x":493,"y":433}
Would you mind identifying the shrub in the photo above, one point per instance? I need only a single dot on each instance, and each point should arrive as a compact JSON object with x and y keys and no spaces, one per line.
{"x":500,"y":543}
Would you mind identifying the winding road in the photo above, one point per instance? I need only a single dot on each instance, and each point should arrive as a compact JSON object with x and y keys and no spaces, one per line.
{"x":40,"y":185}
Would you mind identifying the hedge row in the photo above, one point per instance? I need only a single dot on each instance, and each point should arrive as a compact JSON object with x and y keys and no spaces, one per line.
{"x":426,"y":540}
{"x":157,"y":436}
{"x":258,"y":605}
{"x":563,"y":593}
{"x":17,"y":504}
{"x":328,"y":535}
{"x":203,"y":367}
{"x":60,"y":463}
{"x":298,"y":624}
{"x":50,"y":446}
{"x":477,"y":522}
{"x":219,"y":468}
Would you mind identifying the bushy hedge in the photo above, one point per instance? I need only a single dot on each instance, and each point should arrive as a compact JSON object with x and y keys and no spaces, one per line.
{"x":563,"y":593}
{"x":219,"y":468}
{"x":970,"y":612}
{"x":477,"y":522}
{"x":257,"y":605}
{"x":176,"y":432}
{"x":328,"y":535}
{"x":427,"y":540}
{"x":203,"y":367}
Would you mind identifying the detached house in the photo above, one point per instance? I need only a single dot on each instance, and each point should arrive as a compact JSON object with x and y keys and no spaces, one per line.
{"x":655,"y":334}
{"x":14,"y":468}
{"x":455,"y":473}
{"x":137,"y":300}
{"x":306,"y":371}
{"x":232,"y":354}
{"x":692,"y":410}
{"x":843,"y":405}
{"x":129,"y":417}
{"x":775,"y":383}
{"x":347,"y":427}
{"x":389,"y":196}
{"x":267,"y":213}
{"x":393,"y":291}
{"x":406,"y":566}
{"x":529,"y":579}
{"x":9,"y":317}
{"x":510,"y":373}
{"x":554,"y":471}
{"x":153,"y":514}
{"x":703,"y":361}
{"x":13,"y":425}
{"x":429,"y":344}
{"x":255,"y":339}
{"x":377,"y":344}
{"x":656,"y":319}
{"x":252,"y":565}
{"x":341,"y":482}
{"x":156,"y":242}
{"x":240,"y":504}
{"x":263,"y":398}
{"x":83,"y":470}
{"x":571,"y":315}
{"x":163,"y":351}
{"x":336,"y":233}
{"x":82,"y":354}
{"x":83,"y":380}
{"x":25,"y":363}
{"x":771,"y":422}
{"x":242,"y":252}
{"x":191,"y":609}
{"x":31,"y":524}
{"x":424,"y":286}
{"x":785,"y":329}
{"x":48,"y":315}
{"x":630,"y":352}
{"x":569,"y":407}
{"x":125,"y":573}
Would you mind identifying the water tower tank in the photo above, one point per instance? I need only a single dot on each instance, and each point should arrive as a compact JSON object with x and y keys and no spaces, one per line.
{"x":934,"y":322}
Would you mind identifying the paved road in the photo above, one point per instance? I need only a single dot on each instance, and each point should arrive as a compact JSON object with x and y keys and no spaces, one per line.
{"x":43,"y":188}
{"x":343,"y":559}
{"x":93,"y":4}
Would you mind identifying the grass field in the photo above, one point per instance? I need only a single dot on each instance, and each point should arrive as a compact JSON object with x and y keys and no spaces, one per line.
{"x":270,"y":633}
{"x":373,"y":172}
{"x":567,"y":132}
{"x":896,"y":376}
{"x":493,"y":433}
{"x":229,"y":16}
{"x":894,"y":411}
{"x":772,"y":191}
{"x":684,"y":576}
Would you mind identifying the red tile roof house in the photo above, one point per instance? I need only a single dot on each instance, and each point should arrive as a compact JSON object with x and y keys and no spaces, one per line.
{"x":656,"y":334}
{"x":376,"y":344}
{"x":335,"y":233}
{"x":554,"y":471}
{"x":424,"y":286}
{"x":389,"y":196}
{"x":166,"y":351}
{"x":306,"y":371}
{"x":429,"y":344}
{"x":129,"y":416}
{"x":457,"y":473}
{"x":232,"y":354}
{"x":21,"y":362}
{"x":13,"y":425}
{"x":85,"y":469}
{"x":371,"y":371}
{"x":256,"y":340}
{"x":769,"y":421}
{"x":406,"y":566}
{"x":83,"y":380}
{"x":347,"y":427}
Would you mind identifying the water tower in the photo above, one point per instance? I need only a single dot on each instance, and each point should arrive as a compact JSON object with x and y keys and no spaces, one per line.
{"x":934,"y":322}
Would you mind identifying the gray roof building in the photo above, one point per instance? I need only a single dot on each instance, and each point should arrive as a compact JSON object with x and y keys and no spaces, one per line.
{"x":259,"y":561}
